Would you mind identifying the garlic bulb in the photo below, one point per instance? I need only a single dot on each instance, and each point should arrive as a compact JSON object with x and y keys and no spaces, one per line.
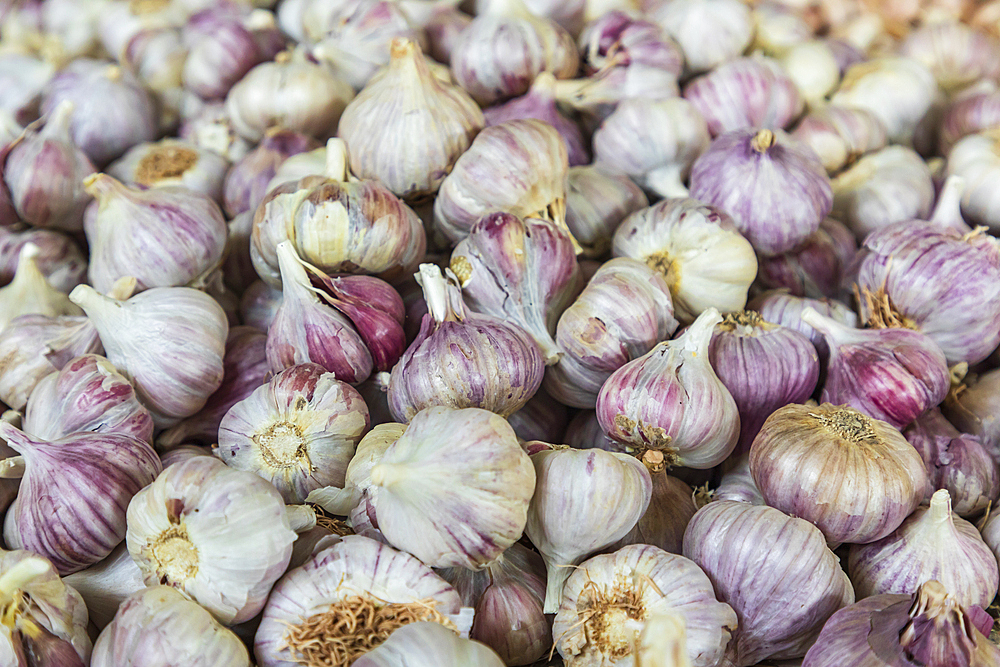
{"x":812,"y":65}
{"x":291,"y":92}
{"x":840,"y":135}
{"x":338,"y":224}
{"x":803,"y":457}
{"x":24,"y":77}
{"x":596,"y":96}
{"x":542,"y":418}
{"x":616,"y":37}
{"x":461,"y":359}
{"x":816,"y":268}
{"x":375,"y":588}
{"x":247,"y":180}
{"x":671,"y":507}
{"x":298,"y":431}
{"x":737,"y":483}
{"x":44,"y":173}
{"x":59,"y":257}
{"x":434,"y":121}
{"x":566,"y":520}
{"x":426,"y":644}
{"x":518,"y":167}
{"x":106,"y":584}
{"x":144,"y":336}
{"x":780,"y":307}
{"x":585,"y":432}
{"x":170,"y":162}
{"x":781,"y":595}
{"x":957,"y":55}
{"x":969,"y":113}
{"x":652,"y":141}
{"x":259,"y":305}
{"x":608,"y":599}
{"x":704,"y":259}
{"x":221,"y":536}
{"x":211,"y":128}
{"x":671,"y":400}
{"x":974,"y":159}
{"x":29,"y":292}
{"x":159,"y":621}
{"x":156,"y":57}
{"x":932,"y":543}
{"x":443,"y":29}
{"x":622,"y":313}
{"x":972,"y":407}
{"x":596,"y":203}
{"x":709,"y":32}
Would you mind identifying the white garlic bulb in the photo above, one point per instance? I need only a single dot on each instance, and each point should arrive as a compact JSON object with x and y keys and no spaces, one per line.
{"x":30,"y":292}
{"x":710,"y":32}
{"x":975,"y":159}
{"x":106,"y":584}
{"x":813,"y":68}
{"x":429,"y":645}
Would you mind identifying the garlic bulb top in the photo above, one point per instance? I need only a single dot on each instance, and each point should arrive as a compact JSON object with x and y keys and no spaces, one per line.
{"x":426,"y":644}
{"x":30,"y":292}
{"x":406,"y":101}
{"x":170,"y":162}
{"x":709,"y":32}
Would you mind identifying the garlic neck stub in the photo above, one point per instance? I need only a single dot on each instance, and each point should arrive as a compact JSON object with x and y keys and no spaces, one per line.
{"x":974,"y":158}
{"x":30,"y":293}
{"x":780,"y":307}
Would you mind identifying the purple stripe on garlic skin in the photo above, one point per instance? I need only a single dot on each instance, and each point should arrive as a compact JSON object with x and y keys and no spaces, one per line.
{"x":969,"y":114}
{"x":816,"y":267}
{"x":246,"y":181}
{"x":616,"y":38}
{"x":59,"y":257}
{"x":780,"y":307}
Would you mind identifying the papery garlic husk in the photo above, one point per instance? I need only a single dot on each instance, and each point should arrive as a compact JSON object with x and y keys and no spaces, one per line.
{"x":246,"y":182}
{"x":435,"y":123}
{"x":462,"y":359}
{"x":426,"y":643}
{"x":596,"y":202}
{"x":969,"y":113}
{"x":338,"y":224}
{"x":567,"y":522}
{"x":378,"y":588}
{"x":898,"y":90}
{"x":704,"y":259}
{"x":259,"y":304}
{"x":616,"y":37}
{"x":160,"y":621}
{"x":884,"y":187}
{"x":781,"y":595}
{"x":29,"y":293}
{"x":974,"y":159}
{"x":55,"y":513}
{"x":956,"y":54}
{"x":672,"y":401}
{"x":932,"y":543}
{"x":622,"y":313}
{"x":59,"y":257}
{"x":219,"y":535}
{"x":780,"y":307}
{"x":23,"y":78}
{"x":752,"y":175}
{"x":44,"y":171}
{"x":146,"y":335}
{"x":507,"y":597}
{"x":585,"y":432}
{"x":187,"y":230}
{"x":106,"y":584}
{"x":816,"y":267}
{"x":671,"y":507}
{"x":210,"y":127}
{"x":764,"y":366}
{"x":170,"y":162}
{"x":659,"y":159}
{"x":890,"y":374}
{"x":745,"y":93}
{"x":855,"y":477}
{"x":608,"y":599}
{"x":812,"y":65}
{"x":708,"y":32}
{"x":840,"y":135}
{"x":518,"y":167}
{"x":112,"y":111}
{"x":40,"y":609}
{"x":737,"y":483}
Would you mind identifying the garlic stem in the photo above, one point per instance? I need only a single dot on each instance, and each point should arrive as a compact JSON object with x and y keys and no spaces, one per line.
{"x":948,"y":211}
{"x":336,"y":160}
{"x":940,"y":507}
{"x":301,"y":518}
{"x":763,"y":140}
{"x":12,"y":467}
{"x":293,"y":271}
{"x":92,"y":301}
{"x":435,"y":292}
{"x":558,"y":573}
{"x":19,"y":576}
{"x":100,"y":186}
{"x":667,"y":181}
{"x":57,"y":125}
{"x":699,"y":335}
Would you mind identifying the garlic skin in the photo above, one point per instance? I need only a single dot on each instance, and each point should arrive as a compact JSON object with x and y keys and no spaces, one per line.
{"x":298,"y":431}
{"x":592,"y":628}
{"x":956,"y":54}
{"x":170,"y":162}
{"x":709,"y":32}
{"x":974,"y":159}
{"x":671,"y":507}
{"x":438,"y":122}
{"x":425,"y":645}
{"x":566,"y":520}
{"x":29,"y":293}
{"x":737,"y":484}
{"x":932,"y":543}
{"x":622,"y":313}
{"x":246,"y":181}
{"x":616,"y":36}
{"x":817,"y":267}
{"x":211,"y":128}
{"x":106,"y":584}
{"x":780,"y":307}
{"x":526,"y":176}
{"x":160,"y":621}
{"x":812,"y":65}
{"x":221,"y":536}
{"x":970,"y":113}
{"x":704,"y":259}
{"x":187,"y":229}
{"x":658,"y":160}
{"x":542,"y":418}
{"x":259,"y":304}
{"x":782,"y":596}
{"x":59,"y":257}
{"x":840,"y":135}
{"x":144,"y":336}
{"x":804,"y":455}
{"x":971,"y":406}
{"x":596,"y":202}
{"x":23,"y":78}
{"x":156,"y":57}
{"x":443,"y":29}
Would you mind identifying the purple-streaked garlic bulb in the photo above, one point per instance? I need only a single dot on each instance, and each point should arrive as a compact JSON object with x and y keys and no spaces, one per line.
{"x":210,"y":127}
{"x":443,"y":29}
{"x":616,"y":38}
{"x":507,"y":597}
{"x":522,"y":271}
{"x":542,"y":418}
{"x":709,"y":32}
{"x":622,"y":313}
{"x":246,"y":181}
{"x":974,"y":407}
{"x":156,"y":58}
{"x":585,"y":432}
{"x":891,"y":374}
{"x":671,"y":507}
{"x":594,"y":626}
{"x":957,"y":55}
{"x":567,"y":521}
{"x":29,"y":293}
{"x":168,"y":341}
{"x":112,"y":111}
{"x":783,"y":594}
{"x":928,"y":627}
{"x":840,"y":135}
{"x":375,"y":588}
{"x":974,"y":158}
{"x":780,"y":307}
{"x":94,"y":476}
{"x":186,"y":229}
{"x":737,"y":483}
{"x":955,"y":461}
{"x":298,"y":431}
{"x":244,"y":369}
{"x":338,"y":224}
{"x":462,"y":359}
{"x":652,"y":141}
{"x":805,"y":457}
{"x":746,"y":93}
{"x":259,"y":305}
{"x":764,"y":366}
{"x":44,"y":174}
{"x":220,"y":536}
{"x":59,"y":257}
{"x":969,"y":114}
{"x":597,"y":201}
{"x":434,"y":123}
{"x":160,"y":620}
{"x":170,"y":162}
{"x":671,"y":400}
{"x":775,"y":189}
{"x":932,"y":543}
{"x":816,"y":267}
{"x":505,"y":47}
{"x":23,"y":78}
{"x":106,"y":584}
{"x":518,"y":167}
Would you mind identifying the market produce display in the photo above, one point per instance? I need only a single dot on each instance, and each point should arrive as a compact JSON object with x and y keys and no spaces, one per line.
{"x":484,"y":333}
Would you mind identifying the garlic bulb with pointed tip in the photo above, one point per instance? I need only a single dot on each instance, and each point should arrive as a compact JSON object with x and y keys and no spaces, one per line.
{"x":30,"y":293}
{"x":59,"y":256}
